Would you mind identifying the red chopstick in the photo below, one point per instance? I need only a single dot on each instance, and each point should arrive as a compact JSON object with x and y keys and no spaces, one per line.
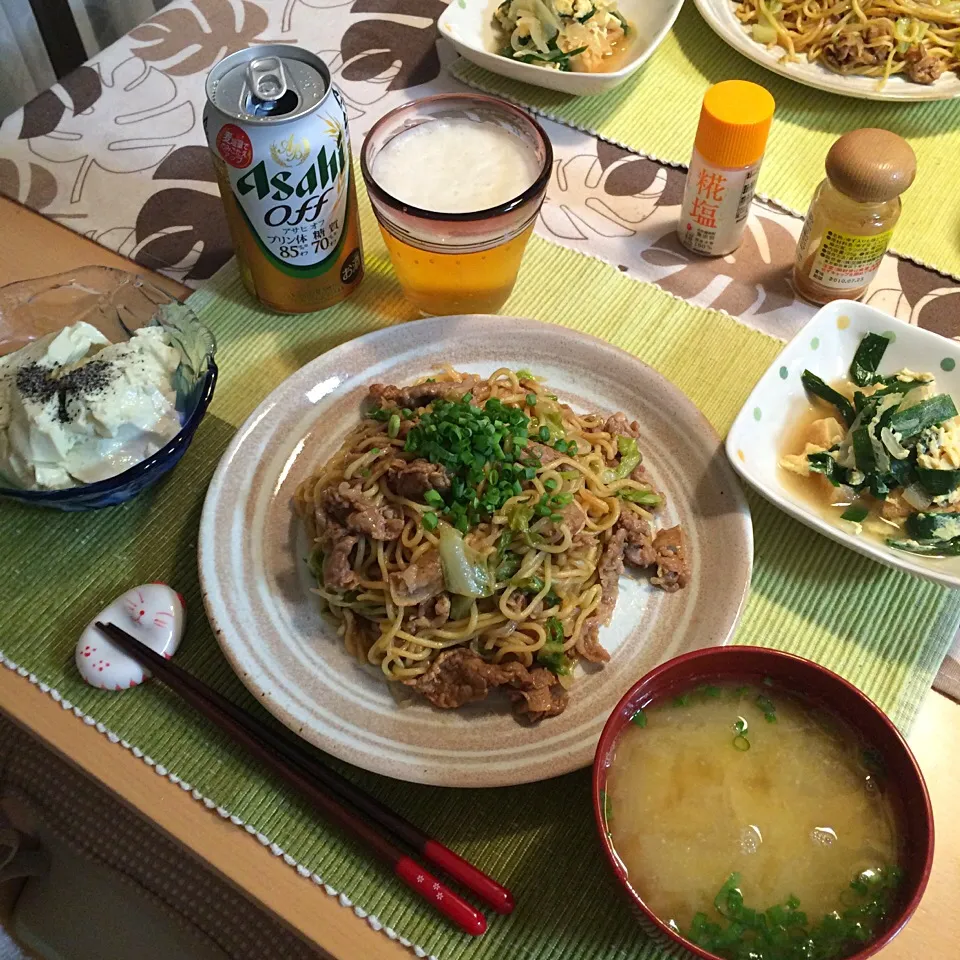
{"x":314,"y":780}
{"x":490,"y":892}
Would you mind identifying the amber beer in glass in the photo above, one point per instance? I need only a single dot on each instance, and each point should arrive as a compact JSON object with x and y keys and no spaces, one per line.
{"x":456,"y":182}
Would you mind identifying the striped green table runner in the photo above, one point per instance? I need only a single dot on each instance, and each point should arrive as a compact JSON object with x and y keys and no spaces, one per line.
{"x":885,"y":631}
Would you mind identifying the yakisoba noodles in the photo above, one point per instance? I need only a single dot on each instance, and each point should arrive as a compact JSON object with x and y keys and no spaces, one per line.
{"x":470,"y":534}
{"x":874,"y":38}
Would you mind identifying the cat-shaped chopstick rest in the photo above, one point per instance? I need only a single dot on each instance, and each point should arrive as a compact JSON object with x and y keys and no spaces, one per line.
{"x":153,"y":613}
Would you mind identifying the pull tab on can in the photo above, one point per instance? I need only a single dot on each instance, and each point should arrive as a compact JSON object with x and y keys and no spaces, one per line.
{"x":266,"y":83}
{"x":266,"y":78}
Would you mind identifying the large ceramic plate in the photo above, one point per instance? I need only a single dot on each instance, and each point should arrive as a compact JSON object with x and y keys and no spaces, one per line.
{"x":257,"y":587}
{"x":719,"y":14}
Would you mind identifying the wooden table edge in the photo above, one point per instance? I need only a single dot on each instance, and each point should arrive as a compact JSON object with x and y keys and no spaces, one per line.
{"x":228,"y":850}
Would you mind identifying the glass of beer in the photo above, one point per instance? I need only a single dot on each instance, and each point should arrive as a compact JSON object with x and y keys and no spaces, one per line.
{"x":456,"y":182}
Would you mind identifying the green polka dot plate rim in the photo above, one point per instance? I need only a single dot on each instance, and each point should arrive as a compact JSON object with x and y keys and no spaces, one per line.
{"x":826,"y":347}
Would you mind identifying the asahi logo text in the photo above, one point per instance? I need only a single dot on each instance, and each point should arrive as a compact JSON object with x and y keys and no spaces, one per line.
{"x":299,"y":201}
{"x":290,"y":152}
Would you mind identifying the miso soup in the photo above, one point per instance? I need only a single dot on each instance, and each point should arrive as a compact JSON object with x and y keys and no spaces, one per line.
{"x":746,"y":817}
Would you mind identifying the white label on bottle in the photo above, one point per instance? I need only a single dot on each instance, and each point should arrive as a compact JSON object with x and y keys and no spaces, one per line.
{"x":716,"y":203}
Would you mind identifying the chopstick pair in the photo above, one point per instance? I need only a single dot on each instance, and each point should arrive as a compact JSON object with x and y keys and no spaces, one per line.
{"x":329,"y":791}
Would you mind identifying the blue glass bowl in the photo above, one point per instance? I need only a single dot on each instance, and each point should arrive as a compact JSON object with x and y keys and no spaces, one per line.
{"x":116,"y":303}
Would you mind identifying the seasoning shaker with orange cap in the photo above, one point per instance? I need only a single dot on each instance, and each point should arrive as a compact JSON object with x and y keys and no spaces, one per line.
{"x":731,"y":139}
{"x":852,"y":215}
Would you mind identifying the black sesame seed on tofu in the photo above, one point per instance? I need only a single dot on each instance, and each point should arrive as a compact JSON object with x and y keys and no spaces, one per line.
{"x":41,"y":384}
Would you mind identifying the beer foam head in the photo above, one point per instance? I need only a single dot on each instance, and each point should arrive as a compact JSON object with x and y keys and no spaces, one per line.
{"x":454,"y":165}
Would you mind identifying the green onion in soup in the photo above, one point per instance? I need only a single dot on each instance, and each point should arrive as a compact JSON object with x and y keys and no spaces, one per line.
{"x":754,"y":824}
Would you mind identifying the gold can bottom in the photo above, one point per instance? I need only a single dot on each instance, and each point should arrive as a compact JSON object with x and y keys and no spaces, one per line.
{"x":295,"y":310}
{"x":443,"y":284}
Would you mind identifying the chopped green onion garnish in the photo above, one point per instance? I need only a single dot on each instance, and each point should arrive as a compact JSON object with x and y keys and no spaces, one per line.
{"x":429,"y":521}
{"x":479,"y":448}
{"x":639,"y":719}
{"x":393,"y":425}
{"x":784,"y":932}
{"x":431,"y":496}
{"x":768,"y":708}
{"x":531,"y":399}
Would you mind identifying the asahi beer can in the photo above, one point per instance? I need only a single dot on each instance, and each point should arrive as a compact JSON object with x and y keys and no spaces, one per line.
{"x":277,"y":128}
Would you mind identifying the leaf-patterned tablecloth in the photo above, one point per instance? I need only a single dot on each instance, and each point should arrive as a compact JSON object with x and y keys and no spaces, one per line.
{"x":116,"y":152}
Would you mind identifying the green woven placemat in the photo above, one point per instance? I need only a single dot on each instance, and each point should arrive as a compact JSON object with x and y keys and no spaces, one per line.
{"x":809,"y":596}
{"x":656,"y":113}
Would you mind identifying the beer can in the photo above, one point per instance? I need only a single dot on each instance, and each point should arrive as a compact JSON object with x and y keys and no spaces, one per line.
{"x":277,"y":128}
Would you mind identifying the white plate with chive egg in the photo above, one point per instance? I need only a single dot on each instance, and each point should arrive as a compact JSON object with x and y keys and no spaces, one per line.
{"x":469,"y":25}
{"x":780,"y":419}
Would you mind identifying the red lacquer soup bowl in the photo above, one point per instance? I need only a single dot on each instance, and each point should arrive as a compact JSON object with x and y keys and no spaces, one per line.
{"x":823,"y":688}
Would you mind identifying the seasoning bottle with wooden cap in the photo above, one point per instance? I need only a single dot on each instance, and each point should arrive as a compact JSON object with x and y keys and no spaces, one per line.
{"x":852,"y":215}
{"x":731,"y":138}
